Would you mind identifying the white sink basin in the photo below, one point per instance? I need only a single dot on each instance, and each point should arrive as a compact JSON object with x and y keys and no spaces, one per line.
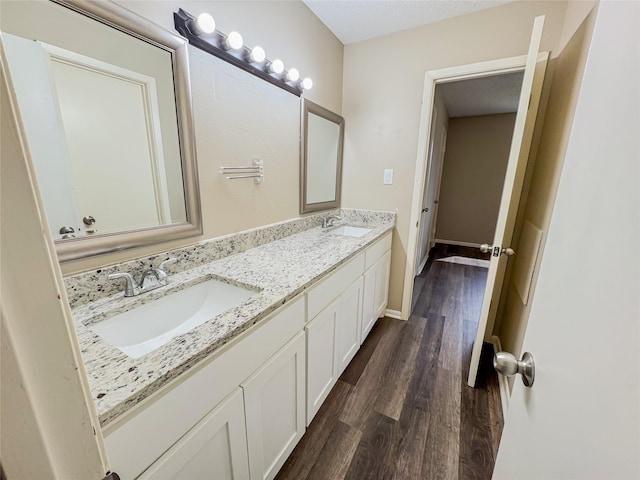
{"x":149,"y":326}
{"x":349,"y":231}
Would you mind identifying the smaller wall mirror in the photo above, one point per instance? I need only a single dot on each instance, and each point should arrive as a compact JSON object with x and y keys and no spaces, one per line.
{"x":321,"y":158}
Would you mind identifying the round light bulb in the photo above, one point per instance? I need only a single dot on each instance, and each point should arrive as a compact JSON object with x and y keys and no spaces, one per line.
{"x":276,"y":66}
{"x":293,"y":75}
{"x":206,"y":23}
{"x":257,"y":55}
{"x":307,"y":83}
{"x":234,"y":41}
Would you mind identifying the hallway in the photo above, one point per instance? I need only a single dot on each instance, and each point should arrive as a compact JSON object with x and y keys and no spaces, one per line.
{"x":402,"y":409}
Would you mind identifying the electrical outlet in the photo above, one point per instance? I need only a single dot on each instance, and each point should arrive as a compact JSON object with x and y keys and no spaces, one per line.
{"x":388,"y":177}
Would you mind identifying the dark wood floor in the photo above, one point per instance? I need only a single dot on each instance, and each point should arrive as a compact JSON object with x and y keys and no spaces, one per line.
{"x":402,"y":409}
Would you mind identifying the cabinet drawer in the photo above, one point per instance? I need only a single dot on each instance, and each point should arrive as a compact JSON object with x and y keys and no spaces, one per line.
{"x":375,"y":251}
{"x":137,"y":441}
{"x":320,"y":295}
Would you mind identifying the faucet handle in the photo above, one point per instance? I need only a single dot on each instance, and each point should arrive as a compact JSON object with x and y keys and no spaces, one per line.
{"x":328,"y":221}
{"x":168,"y":261}
{"x":159,"y":272}
{"x":130,"y":283}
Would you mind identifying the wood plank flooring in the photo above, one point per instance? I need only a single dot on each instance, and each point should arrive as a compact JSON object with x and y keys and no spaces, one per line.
{"x":402,"y":409}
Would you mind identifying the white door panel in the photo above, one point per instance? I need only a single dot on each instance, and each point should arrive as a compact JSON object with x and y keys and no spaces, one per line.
{"x":427,"y":198}
{"x":514,"y":179}
{"x":37,"y":99}
{"x":581,"y":418}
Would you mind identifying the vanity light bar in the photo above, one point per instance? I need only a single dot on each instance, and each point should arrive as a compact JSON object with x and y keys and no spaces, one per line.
{"x":201,"y":33}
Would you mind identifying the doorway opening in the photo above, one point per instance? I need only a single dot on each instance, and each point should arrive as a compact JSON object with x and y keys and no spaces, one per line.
{"x":532,"y":68}
{"x":471,"y":131}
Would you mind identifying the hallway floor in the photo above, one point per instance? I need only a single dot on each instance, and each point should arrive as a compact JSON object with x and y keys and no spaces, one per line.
{"x":402,"y":409}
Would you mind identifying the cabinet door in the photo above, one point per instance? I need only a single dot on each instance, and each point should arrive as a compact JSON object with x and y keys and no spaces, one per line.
{"x":382,"y":284}
{"x":322,"y":357}
{"x":349,"y":324}
{"x":275,"y":409}
{"x":215,"y":448}
{"x":376,"y":290}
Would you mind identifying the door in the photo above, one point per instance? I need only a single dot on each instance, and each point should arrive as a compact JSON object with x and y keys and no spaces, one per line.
{"x":375,"y":293}
{"x":274,"y":402}
{"x":48,"y":416}
{"x":322,"y":357}
{"x":514,"y":178}
{"x":427,"y":234}
{"x":437,"y":182}
{"x":581,"y":418}
{"x":215,"y":448}
{"x":427,"y":200}
{"x":349,"y":324}
{"x":116,"y":141}
{"x":42,"y":122}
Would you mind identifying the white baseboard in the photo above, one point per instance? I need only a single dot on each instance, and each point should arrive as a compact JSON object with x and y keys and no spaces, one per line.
{"x":397,"y":314}
{"x":505,"y":394}
{"x":460,"y":244}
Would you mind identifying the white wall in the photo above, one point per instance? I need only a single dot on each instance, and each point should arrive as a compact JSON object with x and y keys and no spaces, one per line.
{"x":383,"y":85}
{"x":475,"y":163}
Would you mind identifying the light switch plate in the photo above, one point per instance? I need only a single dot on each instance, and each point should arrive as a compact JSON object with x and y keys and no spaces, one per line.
{"x":388,"y":177}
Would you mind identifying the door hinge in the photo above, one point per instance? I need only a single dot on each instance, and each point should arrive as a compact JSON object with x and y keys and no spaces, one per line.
{"x":111,"y":476}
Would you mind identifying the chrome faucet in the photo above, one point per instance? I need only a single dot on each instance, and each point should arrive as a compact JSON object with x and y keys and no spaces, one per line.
{"x":328,"y":222}
{"x":151,"y":279}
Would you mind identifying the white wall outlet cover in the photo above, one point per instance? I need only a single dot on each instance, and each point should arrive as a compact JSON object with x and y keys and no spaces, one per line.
{"x":388,"y":177}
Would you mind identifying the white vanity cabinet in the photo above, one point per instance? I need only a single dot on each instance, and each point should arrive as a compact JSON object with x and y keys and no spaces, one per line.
{"x":274,"y":399}
{"x":215,"y":448}
{"x":330,"y":315}
{"x":239,"y":414}
{"x":179,"y":417}
{"x":335,"y":308}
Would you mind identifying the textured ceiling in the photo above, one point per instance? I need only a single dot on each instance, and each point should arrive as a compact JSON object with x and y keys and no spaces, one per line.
{"x":355,"y":20}
{"x":482,"y":96}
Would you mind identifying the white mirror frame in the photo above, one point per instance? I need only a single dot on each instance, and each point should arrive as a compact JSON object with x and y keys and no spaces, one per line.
{"x":310,"y":107}
{"x":128,"y":22}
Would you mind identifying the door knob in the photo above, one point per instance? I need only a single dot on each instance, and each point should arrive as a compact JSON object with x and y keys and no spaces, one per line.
{"x":508,"y":365}
{"x":67,"y":232}
{"x":486,"y":248}
{"x":88,"y":220}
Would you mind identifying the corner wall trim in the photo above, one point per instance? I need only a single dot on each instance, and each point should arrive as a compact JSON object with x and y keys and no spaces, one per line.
{"x":505,"y":395}
{"x":393,"y":314}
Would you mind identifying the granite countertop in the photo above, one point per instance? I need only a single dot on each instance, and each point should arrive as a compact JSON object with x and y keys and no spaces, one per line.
{"x":278,"y":271}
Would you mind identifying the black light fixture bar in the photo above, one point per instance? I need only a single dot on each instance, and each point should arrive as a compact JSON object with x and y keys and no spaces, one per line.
{"x":212,"y":43}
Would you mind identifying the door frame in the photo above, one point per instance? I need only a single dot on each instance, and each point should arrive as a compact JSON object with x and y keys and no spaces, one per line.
{"x":432,"y":79}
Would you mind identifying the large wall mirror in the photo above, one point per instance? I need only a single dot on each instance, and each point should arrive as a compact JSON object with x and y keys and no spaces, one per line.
{"x":105,"y":102}
{"x":322,"y":139}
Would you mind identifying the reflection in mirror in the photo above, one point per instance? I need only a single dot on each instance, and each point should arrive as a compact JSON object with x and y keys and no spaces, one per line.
{"x":107,"y":116}
{"x":321,"y":158}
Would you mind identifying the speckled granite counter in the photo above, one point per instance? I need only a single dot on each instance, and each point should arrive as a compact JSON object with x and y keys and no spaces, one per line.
{"x":278,"y":270}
